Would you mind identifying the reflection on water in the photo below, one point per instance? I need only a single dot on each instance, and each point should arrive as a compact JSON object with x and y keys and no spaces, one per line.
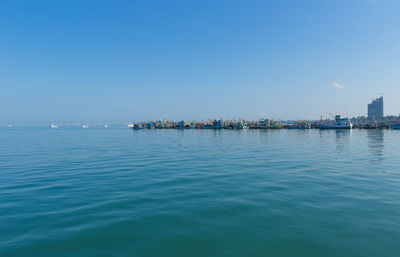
{"x":342,"y":137}
{"x":376,"y":143}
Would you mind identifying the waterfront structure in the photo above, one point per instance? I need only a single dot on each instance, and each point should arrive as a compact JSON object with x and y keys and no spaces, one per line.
{"x":375,"y":109}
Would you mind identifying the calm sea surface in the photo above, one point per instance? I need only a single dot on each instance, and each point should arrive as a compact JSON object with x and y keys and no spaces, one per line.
{"x":119,"y":192}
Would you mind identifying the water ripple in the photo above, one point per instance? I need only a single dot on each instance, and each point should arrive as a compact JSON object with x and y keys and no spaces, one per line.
{"x":118,"y":192}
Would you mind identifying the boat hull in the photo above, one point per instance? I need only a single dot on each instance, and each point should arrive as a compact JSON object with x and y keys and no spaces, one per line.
{"x":325,"y":126}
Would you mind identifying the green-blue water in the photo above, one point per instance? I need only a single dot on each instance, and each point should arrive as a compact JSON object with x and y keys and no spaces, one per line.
{"x":119,"y":192}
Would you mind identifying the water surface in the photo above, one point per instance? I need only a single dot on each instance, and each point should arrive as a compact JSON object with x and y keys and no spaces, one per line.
{"x":119,"y":192}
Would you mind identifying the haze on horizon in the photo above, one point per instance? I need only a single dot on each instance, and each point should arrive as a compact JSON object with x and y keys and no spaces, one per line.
{"x":118,"y":61}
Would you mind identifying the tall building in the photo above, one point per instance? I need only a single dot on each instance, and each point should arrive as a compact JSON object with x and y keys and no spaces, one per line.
{"x":375,"y":109}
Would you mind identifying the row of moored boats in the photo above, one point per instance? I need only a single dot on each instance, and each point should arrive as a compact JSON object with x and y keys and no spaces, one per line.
{"x":338,"y":123}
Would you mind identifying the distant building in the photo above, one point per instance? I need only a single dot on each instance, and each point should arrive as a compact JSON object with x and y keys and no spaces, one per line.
{"x":375,"y":109}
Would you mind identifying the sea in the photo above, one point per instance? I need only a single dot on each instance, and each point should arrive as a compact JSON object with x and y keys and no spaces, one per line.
{"x":114,"y":191}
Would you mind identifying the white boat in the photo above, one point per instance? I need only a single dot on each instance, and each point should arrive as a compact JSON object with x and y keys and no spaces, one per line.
{"x":137,"y":126}
{"x":340,"y":123}
{"x":53,"y":126}
{"x":85,"y":126}
{"x":106,"y":126}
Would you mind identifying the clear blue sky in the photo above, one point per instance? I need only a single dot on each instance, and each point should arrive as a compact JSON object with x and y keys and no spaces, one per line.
{"x":117,"y":61}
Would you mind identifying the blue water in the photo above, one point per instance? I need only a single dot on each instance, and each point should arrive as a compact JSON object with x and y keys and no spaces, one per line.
{"x":119,"y":192}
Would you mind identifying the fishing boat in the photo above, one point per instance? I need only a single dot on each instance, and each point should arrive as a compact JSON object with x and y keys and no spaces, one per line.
{"x":266,"y":124}
{"x":214,"y":125}
{"x":240,"y":125}
{"x":137,"y":126}
{"x":181,"y":125}
{"x":218,"y":124}
{"x":275,"y":125}
{"x":397,"y":126}
{"x":150,"y":125}
{"x":300,"y":125}
{"x":369,"y":126}
{"x":263,"y":123}
{"x":206,"y":126}
{"x":190,"y":126}
{"x":340,"y":123}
